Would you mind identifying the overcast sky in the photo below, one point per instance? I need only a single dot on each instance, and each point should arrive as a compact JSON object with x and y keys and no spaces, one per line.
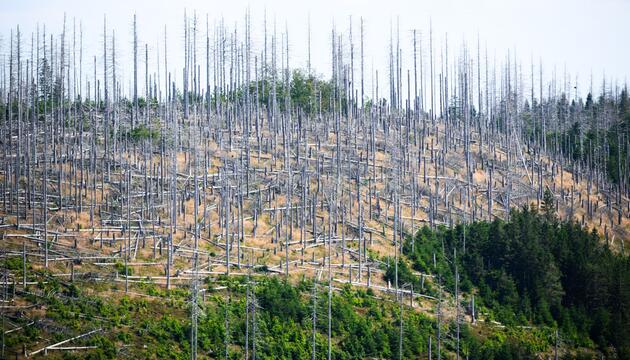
{"x":588,"y":37}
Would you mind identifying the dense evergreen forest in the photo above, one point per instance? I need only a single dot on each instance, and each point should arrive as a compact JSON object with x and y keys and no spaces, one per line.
{"x":536,"y":270}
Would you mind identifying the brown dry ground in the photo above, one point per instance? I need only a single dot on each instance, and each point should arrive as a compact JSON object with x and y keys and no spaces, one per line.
{"x":264,"y":250}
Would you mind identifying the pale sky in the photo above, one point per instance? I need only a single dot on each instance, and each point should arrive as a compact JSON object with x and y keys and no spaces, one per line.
{"x":588,"y":37}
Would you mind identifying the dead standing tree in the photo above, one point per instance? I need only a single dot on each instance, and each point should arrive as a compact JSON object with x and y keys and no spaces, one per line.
{"x":331,"y":181}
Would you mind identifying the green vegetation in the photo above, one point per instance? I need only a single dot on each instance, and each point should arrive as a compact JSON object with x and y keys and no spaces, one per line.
{"x":536,"y":270}
{"x":158,"y":326}
{"x":591,"y":132}
{"x":533,"y":274}
{"x":143,"y":132}
{"x":308,"y":92}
